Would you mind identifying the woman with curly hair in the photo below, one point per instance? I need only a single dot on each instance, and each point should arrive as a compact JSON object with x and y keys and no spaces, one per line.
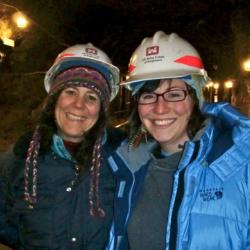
{"x":56,"y":188}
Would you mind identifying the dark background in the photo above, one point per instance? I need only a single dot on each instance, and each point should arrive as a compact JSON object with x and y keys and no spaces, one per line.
{"x":219,"y":29}
{"x":214,"y":27}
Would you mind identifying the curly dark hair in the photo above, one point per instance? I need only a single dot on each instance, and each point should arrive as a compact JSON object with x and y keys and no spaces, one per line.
{"x":195,"y":122}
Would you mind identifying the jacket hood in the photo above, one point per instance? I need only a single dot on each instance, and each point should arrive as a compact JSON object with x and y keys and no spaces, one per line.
{"x":227,"y":117}
{"x":227,"y":114}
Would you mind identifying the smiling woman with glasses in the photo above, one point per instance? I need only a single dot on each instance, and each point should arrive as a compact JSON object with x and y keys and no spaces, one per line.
{"x":183,"y":175}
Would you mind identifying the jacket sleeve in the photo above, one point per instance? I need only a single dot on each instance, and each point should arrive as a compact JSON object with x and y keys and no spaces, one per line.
{"x":8,"y":230}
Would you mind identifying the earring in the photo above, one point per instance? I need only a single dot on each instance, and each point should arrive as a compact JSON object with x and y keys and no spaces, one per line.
{"x":140,"y":136}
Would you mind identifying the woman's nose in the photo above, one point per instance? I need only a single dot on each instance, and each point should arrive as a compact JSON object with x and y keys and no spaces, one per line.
{"x":79,"y":101}
{"x":161,"y":106}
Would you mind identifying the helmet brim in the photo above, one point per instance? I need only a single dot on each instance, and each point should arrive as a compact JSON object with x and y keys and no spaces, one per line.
{"x":162,"y":75}
{"x":134,"y":83}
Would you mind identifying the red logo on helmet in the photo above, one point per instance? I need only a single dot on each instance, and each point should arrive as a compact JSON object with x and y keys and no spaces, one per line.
{"x":91,"y":51}
{"x":153,"y":50}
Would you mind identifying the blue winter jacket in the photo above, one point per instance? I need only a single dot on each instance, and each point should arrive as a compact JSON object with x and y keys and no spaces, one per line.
{"x":210,"y":203}
{"x":60,"y":220}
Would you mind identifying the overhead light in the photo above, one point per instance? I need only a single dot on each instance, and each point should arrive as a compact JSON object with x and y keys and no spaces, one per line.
{"x":229,"y":84}
{"x":20,"y":20}
{"x":246,"y":65}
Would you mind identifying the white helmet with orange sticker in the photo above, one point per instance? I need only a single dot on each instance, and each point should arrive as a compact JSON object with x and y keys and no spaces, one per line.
{"x":163,"y":56}
{"x":85,"y":55}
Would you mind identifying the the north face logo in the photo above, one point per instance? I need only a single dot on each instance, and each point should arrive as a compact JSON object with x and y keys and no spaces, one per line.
{"x":153,"y":50}
{"x":91,"y":51}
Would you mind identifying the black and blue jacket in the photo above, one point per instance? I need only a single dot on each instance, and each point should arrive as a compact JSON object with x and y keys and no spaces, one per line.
{"x":60,"y":219}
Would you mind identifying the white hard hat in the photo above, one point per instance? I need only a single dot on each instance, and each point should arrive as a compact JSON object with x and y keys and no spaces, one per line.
{"x":163,"y":56}
{"x":85,"y":55}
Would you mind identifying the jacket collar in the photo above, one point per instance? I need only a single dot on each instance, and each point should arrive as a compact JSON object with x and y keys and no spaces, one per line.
{"x":138,"y":157}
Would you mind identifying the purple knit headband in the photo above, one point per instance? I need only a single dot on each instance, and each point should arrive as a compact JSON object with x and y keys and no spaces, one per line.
{"x":84,"y":77}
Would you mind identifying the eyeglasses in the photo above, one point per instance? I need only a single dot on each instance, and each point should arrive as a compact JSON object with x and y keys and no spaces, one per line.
{"x":173,"y":95}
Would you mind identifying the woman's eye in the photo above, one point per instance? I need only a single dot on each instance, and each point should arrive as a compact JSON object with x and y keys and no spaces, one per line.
{"x":70,"y":91}
{"x":147,"y":96}
{"x":174,"y":94}
{"x":92,"y":97}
